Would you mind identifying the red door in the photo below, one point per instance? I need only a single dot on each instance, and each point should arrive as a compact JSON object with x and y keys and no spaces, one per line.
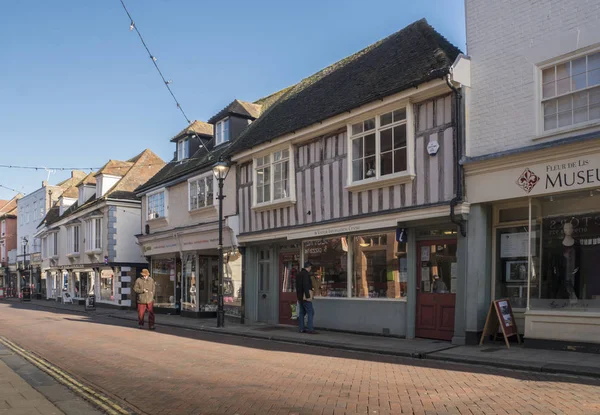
{"x":289,"y":266}
{"x":436,"y":285}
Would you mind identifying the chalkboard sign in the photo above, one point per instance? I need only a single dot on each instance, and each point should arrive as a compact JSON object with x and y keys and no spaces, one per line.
{"x":90,"y":302}
{"x":500,"y":316}
{"x":26,"y":293}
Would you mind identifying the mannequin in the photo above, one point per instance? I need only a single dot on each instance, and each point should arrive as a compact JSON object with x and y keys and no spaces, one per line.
{"x":569,"y":254}
{"x":193,"y":290}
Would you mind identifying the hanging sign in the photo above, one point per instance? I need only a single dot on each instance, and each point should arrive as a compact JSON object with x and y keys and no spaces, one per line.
{"x":500,"y":316}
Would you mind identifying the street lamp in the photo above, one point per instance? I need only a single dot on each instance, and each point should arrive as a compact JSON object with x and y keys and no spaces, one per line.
{"x":25,"y":245}
{"x":220,"y":170}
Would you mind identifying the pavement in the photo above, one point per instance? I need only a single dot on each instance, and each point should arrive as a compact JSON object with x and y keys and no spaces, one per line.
{"x":26,"y":390}
{"x":490,"y":354}
{"x":184,"y":371}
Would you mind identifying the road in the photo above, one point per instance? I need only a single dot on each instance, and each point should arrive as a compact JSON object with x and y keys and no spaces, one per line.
{"x":179,"y":371}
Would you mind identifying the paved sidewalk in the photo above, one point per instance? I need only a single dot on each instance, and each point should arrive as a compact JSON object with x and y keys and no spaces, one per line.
{"x":18,"y":397}
{"x":496,"y":355}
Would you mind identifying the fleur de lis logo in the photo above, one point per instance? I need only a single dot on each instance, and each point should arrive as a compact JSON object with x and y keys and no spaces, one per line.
{"x":527,"y":180}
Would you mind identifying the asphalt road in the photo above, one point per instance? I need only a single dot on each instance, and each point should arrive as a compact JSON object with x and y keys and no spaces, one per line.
{"x":179,"y":371}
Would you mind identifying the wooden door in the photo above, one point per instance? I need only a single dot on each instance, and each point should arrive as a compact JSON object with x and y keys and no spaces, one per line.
{"x":436,"y":297}
{"x":289,"y":267}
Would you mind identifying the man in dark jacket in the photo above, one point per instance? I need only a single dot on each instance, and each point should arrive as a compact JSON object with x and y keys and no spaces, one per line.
{"x":304,"y":294}
{"x":145,"y":287}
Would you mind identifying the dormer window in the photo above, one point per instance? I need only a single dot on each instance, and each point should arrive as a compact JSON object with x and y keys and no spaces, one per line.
{"x":183,"y":149}
{"x":222,"y":131}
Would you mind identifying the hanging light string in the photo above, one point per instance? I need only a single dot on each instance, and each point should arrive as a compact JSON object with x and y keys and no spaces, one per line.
{"x":132,"y":27}
{"x":9,"y":188}
{"x":10,"y":166}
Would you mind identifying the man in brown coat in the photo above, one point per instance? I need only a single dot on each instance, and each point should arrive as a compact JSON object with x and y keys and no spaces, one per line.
{"x":145,"y":288}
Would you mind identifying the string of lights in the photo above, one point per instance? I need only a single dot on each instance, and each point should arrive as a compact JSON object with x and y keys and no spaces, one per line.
{"x":54,"y":169}
{"x":9,"y":188}
{"x":167,"y":83}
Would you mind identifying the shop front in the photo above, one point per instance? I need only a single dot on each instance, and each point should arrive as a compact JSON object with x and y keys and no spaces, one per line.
{"x":393,"y":280}
{"x":185,"y":268}
{"x":546,"y":244}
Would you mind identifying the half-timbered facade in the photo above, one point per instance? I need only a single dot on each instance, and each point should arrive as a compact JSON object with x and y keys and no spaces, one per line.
{"x":355,"y":170}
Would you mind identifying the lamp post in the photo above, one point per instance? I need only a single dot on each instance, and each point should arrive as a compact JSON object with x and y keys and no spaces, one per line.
{"x":220,"y":170}
{"x":25,"y":245}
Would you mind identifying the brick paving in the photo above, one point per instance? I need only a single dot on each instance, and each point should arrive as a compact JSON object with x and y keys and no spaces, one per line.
{"x":178,"y":371}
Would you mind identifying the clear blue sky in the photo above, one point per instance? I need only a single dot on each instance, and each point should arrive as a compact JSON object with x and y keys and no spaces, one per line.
{"x":77,"y":88}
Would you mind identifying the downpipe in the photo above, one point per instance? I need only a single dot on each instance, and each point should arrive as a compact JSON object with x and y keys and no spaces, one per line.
{"x":461,"y":223}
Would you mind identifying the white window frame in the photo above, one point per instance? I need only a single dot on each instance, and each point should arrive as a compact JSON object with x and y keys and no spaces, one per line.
{"x":183,"y":149}
{"x":149,"y":215}
{"x":3,"y":228}
{"x":220,"y":130}
{"x":539,"y":96}
{"x":378,"y":180}
{"x":53,"y":251}
{"x":93,"y":235}
{"x":2,"y":252}
{"x":73,"y":240}
{"x":207,"y":176}
{"x":274,"y":203}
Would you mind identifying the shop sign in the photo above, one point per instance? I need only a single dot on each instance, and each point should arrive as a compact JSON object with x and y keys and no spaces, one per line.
{"x":535,"y":179}
{"x":36,"y":258}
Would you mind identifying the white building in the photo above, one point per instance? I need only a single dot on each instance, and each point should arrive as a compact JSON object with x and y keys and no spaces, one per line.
{"x":31,"y":210}
{"x":88,"y":243}
{"x":533,"y":166}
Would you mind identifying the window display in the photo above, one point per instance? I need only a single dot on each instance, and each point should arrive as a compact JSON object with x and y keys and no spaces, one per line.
{"x":107,"y":285}
{"x":380,"y":266}
{"x":570,"y":253}
{"x":189,"y":284}
{"x":329,"y":259}
{"x":232,"y":280}
{"x":81,"y":284}
{"x":438,"y":268}
{"x":163,"y":273}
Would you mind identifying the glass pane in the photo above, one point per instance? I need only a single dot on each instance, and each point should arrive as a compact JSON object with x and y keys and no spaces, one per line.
{"x":386,"y":140}
{"x":267,"y":193}
{"x":386,"y":163}
{"x":400,"y":115}
{"x":564,"y":104}
{"x":386,"y":119}
{"x":329,"y":259}
{"x":285,"y":154}
{"x":277,"y":156}
{"x":579,"y":82}
{"x":369,"y":145}
{"x":357,"y":148}
{"x":578,"y":66}
{"x":548,"y":82}
{"x":369,"y":124}
{"x":286,"y":169}
{"x":550,"y":108}
{"x":594,"y":95}
{"x":267,"y":174}
{"x":277,"y":190}
{"x":594,"y":112}
{"x":593,"y":67}
{"x":277,"y":171}
{"x":259,"y":195}
{"x":357,"y":128}
{"x":550,"y":123}
{"x":565,"y":118}
{"x":260,"y":177}
{"x":369,"y":167}
{"x":563,"y":83}
{"x":400,"y":160}
{"x":357,"y":167}
{"x":400,"y":136}
{"x":580,"y":107}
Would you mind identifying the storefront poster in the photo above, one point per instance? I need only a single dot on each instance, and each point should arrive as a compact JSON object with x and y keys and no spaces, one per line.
{"x":424,"y":253}
{"x":516,"y":245}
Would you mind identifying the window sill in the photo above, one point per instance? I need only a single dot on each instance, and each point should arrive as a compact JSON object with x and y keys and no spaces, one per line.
{"x":287,"y":202}
{"x":203,"y":209}
{"x":376,"y":183}
{"x":53,"y":257}
{"x":94,"y":251}
{"x":566,"y":130}
{"x":73,"y":255}
{"x":395,"y":300}
{"x":155,"y":221}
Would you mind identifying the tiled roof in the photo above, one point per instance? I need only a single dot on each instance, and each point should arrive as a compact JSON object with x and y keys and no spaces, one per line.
{"x":115,"y":168}
{"x":134,"y":172}
{"x":412,"y":56}
{"x":237,"y":107}
{"x":196,"y":127}
{"x":89,"y":179}
{"x":76,"y":176}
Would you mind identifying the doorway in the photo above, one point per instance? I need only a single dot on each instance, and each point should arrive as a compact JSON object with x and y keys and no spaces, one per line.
{"x":264,"y":285}
{"x":289,"y":266}
{"x":436,"y":288}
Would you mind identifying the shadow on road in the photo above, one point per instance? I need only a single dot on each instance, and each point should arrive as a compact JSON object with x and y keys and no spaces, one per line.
{"x":276,"y":346}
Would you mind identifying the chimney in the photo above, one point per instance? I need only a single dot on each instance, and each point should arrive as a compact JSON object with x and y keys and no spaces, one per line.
{"x":44,"y":183}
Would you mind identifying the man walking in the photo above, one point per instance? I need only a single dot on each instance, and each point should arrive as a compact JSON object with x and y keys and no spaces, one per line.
{"x":144,"y":288}
{"x":304,"y":295}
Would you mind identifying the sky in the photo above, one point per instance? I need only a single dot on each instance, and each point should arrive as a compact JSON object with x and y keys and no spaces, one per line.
{"x":78,"y":89}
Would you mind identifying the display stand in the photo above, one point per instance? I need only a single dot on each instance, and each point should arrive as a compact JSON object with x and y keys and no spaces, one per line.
{"x":500,"y":315}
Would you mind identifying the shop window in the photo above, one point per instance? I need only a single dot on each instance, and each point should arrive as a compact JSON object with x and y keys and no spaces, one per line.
{"x":189,"y":285}
{"x":81,"y":284}
{"x":329,"y":259}
{"x":380,"y":266}
{"x":163,"y":273}
{"x":570,"y":253}
{"x":232,"y":280}
{"x":107,"y":285}
{"x":201,"y":192}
